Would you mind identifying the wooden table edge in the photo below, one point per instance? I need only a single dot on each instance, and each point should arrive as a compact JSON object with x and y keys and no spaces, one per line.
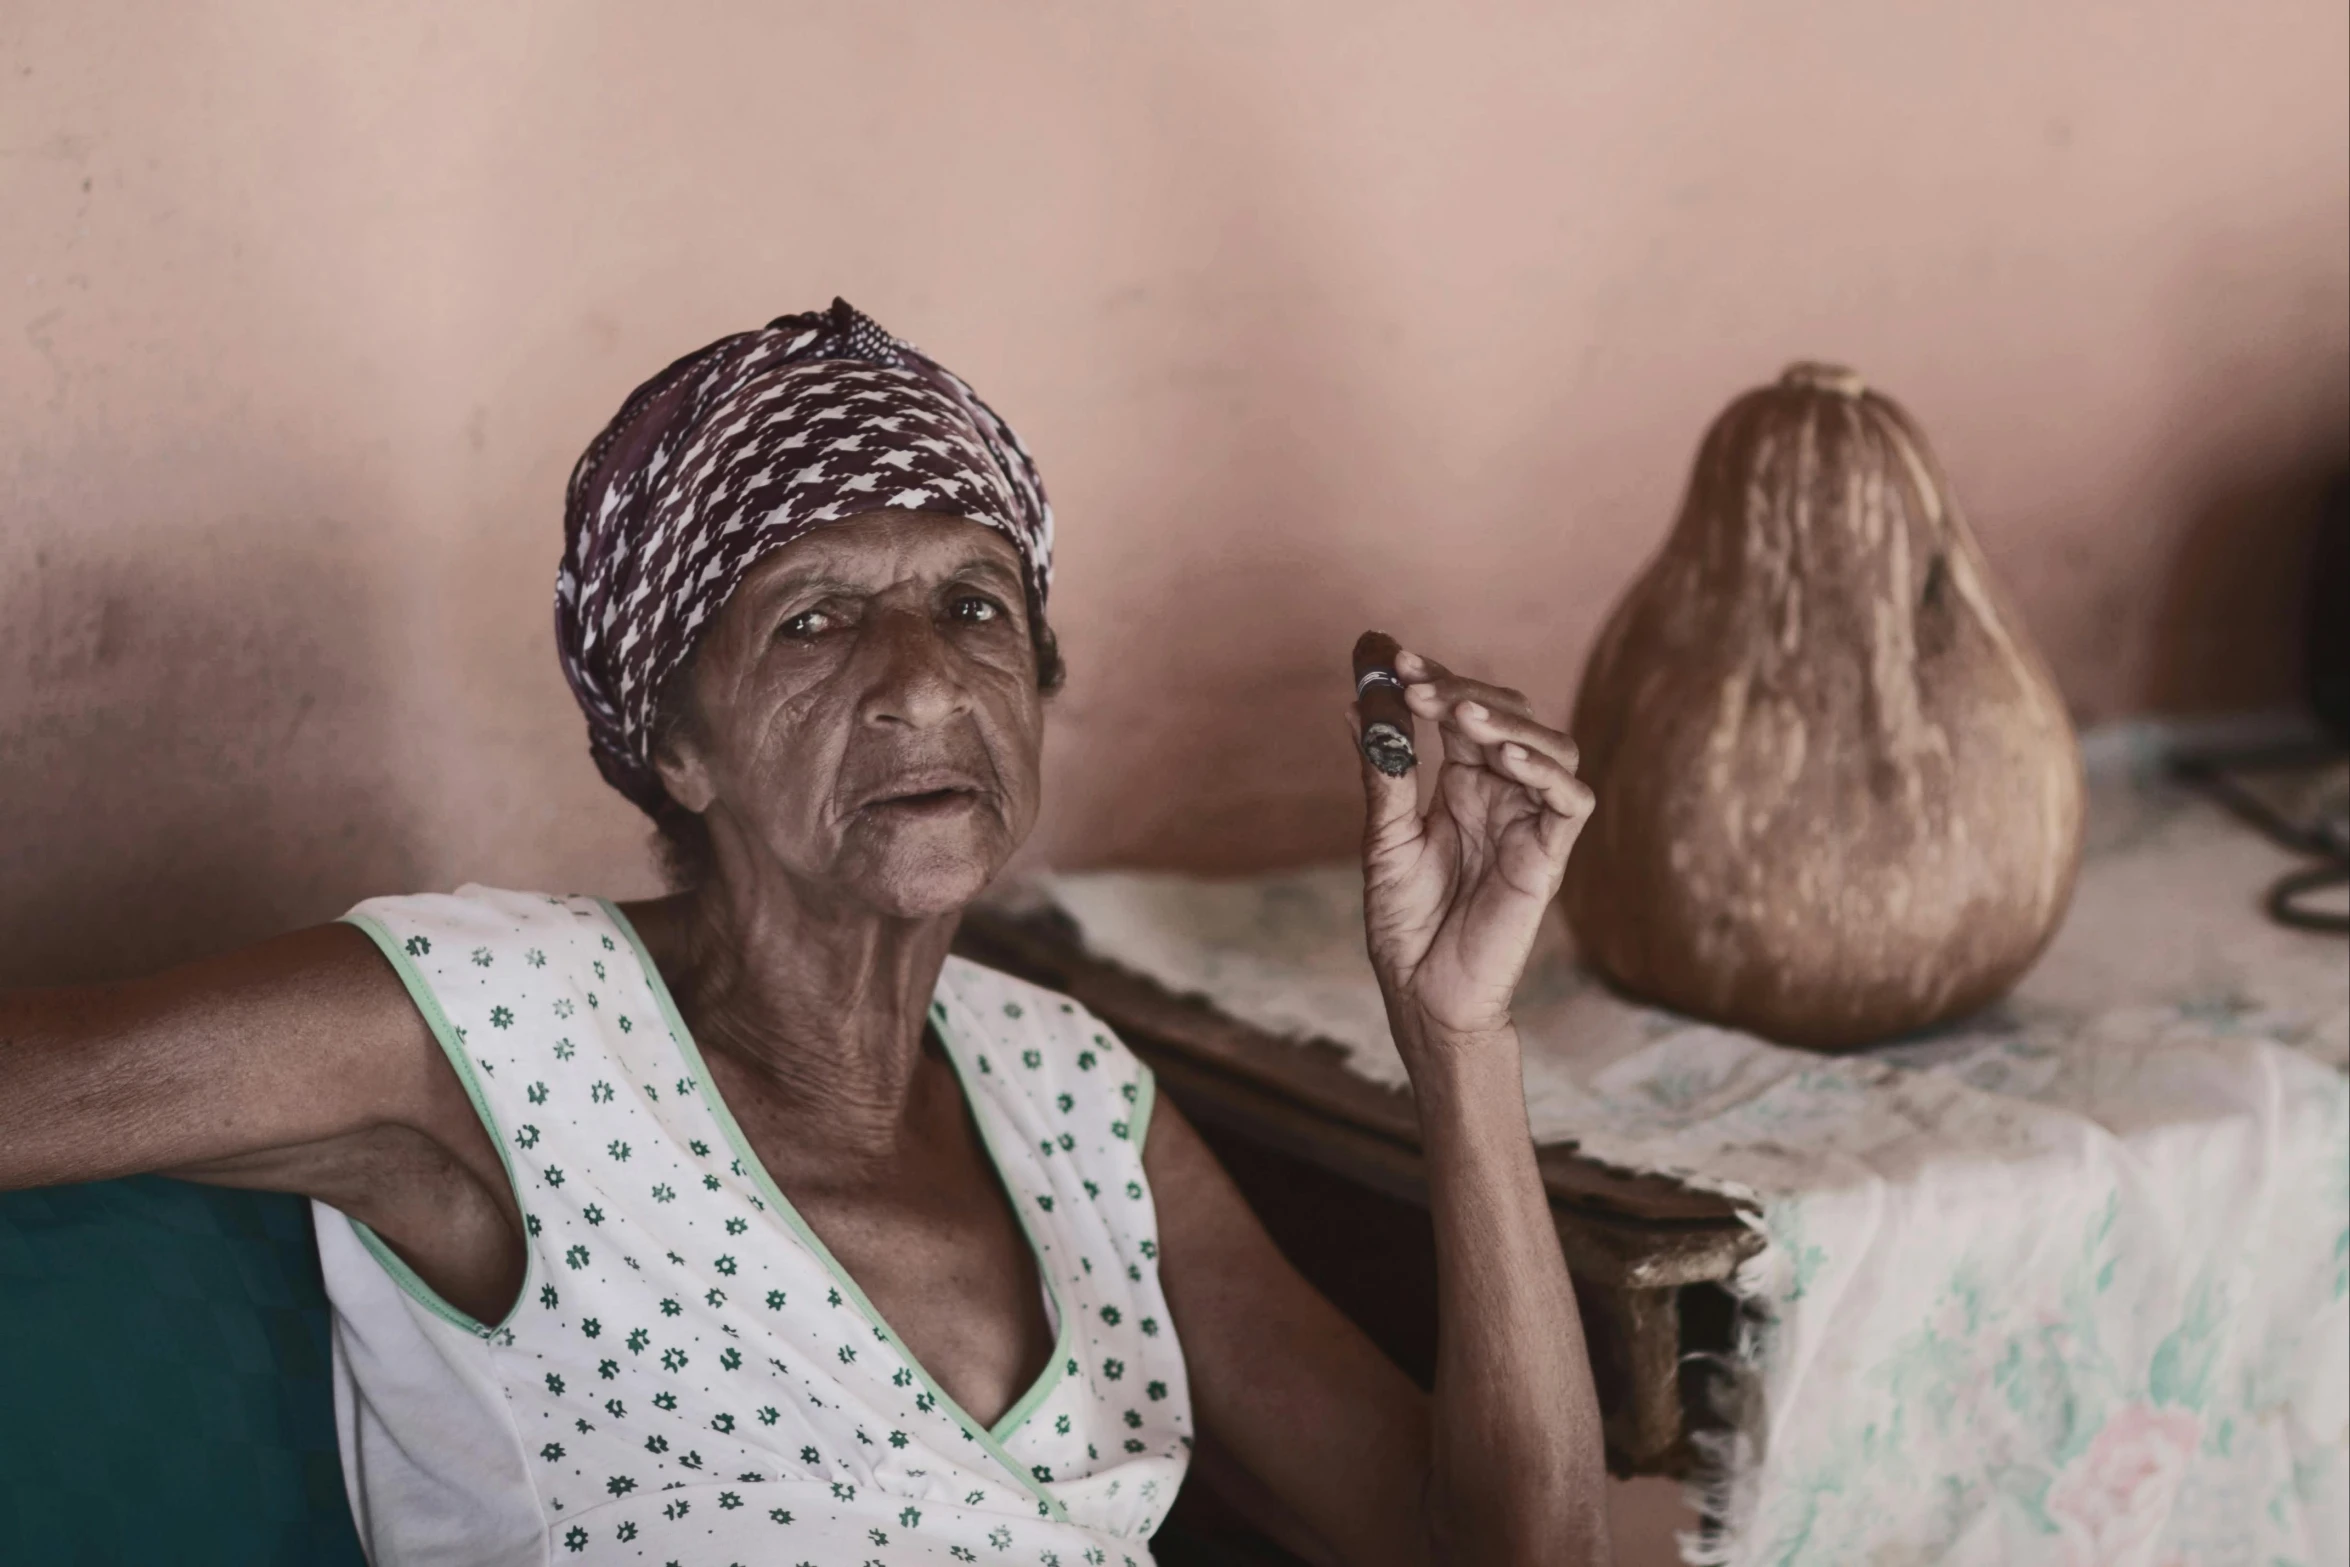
{"x":1605,"y":1242}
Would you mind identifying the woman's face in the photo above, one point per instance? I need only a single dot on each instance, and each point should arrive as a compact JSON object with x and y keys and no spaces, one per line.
{"x":865,"y":720}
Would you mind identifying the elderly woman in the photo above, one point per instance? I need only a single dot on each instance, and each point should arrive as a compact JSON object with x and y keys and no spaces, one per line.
{"x":748,"y":1226}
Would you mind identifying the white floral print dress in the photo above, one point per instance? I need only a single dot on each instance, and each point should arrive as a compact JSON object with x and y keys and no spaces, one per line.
{"x":688,"y":1378}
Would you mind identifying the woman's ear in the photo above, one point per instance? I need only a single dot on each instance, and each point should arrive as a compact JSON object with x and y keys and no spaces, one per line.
{"x":682,"y":770}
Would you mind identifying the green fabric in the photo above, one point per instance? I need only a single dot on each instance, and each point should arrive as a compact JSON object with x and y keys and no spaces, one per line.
{"x":164,"y":1380}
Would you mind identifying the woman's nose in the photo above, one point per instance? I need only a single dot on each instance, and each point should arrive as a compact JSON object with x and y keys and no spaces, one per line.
{"x":913,"y":680}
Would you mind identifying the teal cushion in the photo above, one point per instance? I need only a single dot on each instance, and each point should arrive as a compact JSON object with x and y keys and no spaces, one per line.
{"x":164,"y":1380}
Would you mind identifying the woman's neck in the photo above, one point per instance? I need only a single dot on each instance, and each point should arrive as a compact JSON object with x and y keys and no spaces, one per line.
{"x":824,"y":1007}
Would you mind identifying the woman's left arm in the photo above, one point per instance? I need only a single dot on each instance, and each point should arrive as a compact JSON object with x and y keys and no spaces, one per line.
{"x":1333,"y":1439}
{"x":1503,"y":1464}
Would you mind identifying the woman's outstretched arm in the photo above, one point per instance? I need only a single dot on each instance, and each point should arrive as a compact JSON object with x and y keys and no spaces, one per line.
{"x":294,"y":1042}
{"x":297,"y":1065}
{"x":290,"y":1044}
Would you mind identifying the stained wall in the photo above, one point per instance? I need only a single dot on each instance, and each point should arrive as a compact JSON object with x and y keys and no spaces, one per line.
{"x":1318,"y":315}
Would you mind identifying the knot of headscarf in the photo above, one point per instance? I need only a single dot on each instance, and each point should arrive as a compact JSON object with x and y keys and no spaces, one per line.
{"x":736,"y":450}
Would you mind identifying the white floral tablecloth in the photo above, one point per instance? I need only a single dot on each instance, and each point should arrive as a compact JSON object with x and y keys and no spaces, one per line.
{"x":2067,"y":1283}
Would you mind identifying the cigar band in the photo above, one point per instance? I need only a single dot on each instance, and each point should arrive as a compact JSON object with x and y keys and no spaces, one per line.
{"x":1377,"y":677}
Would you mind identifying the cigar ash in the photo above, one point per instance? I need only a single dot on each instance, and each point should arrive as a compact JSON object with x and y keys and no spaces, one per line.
{"x":1389,"y":748}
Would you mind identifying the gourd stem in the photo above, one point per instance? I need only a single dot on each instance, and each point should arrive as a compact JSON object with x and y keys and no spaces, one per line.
{"x":1817,"y":376}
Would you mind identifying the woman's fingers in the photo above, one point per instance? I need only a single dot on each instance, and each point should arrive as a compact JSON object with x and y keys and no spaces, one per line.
{"x":1434,"y":692}
{"x":1431,"y":688}
{"x":1435,"y":697}
{"x":1486,"y":727}
{"x":1548,"y":779}
{"x":1425,"y":681}
{"x":1492,"y":728}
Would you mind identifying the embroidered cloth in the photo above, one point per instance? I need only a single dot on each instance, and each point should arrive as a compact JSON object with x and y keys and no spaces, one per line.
{"x":2065,"y":1283}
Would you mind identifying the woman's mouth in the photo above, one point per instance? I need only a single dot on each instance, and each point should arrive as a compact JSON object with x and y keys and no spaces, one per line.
{"x":927,"y":803}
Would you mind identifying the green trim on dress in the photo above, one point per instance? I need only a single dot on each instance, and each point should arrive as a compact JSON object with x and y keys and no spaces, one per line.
{"x":986,"y":1437}
{"x":1063,"y":1341}
{"x":420,"y":992}
{"x":1146,"y":1096}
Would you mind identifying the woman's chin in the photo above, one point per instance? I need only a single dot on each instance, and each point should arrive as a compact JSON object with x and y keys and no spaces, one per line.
{"x":911,"y":877}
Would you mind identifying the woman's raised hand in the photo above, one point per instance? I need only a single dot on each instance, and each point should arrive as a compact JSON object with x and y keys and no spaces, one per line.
{"x":1453,"y":895}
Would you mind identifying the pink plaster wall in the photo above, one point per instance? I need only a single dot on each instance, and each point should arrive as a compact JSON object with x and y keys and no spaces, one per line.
{"x":1317,"y":315}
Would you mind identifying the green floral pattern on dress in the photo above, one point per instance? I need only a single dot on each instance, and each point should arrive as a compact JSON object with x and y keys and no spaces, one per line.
{"x":674,"y":1399}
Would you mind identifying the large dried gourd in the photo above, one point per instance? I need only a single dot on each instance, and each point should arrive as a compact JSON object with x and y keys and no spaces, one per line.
{"x":1839,"y":796}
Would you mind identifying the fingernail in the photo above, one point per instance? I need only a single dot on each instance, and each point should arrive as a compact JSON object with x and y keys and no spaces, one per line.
{"x":1474,"y":710}
{"x":1514,"y":751}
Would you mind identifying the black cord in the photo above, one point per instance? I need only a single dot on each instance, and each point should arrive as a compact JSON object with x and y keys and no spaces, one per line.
{"x":2210,"y":775}
{"x":2297,"y":884}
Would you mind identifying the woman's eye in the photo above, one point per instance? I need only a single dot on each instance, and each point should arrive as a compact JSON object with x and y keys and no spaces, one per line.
{"x":807,"y":623}
{"x":975,"y":610}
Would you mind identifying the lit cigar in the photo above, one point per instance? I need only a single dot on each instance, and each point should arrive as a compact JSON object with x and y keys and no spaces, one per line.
{"x":1387,"y":722}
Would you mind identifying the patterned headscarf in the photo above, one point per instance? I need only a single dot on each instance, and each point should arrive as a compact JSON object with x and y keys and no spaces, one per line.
{"x":736,"y":450}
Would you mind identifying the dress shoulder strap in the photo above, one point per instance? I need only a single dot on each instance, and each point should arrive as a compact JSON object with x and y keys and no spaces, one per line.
{"x":1044,"y":1048}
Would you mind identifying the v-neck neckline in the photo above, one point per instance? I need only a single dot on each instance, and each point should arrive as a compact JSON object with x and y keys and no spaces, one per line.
{"x":980,"y":1108}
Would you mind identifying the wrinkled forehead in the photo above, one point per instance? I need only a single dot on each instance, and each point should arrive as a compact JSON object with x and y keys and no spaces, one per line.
{"x":874,"y":551}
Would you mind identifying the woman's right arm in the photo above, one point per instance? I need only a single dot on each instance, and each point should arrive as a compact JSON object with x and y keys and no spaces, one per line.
{"x":277,"y":1062}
